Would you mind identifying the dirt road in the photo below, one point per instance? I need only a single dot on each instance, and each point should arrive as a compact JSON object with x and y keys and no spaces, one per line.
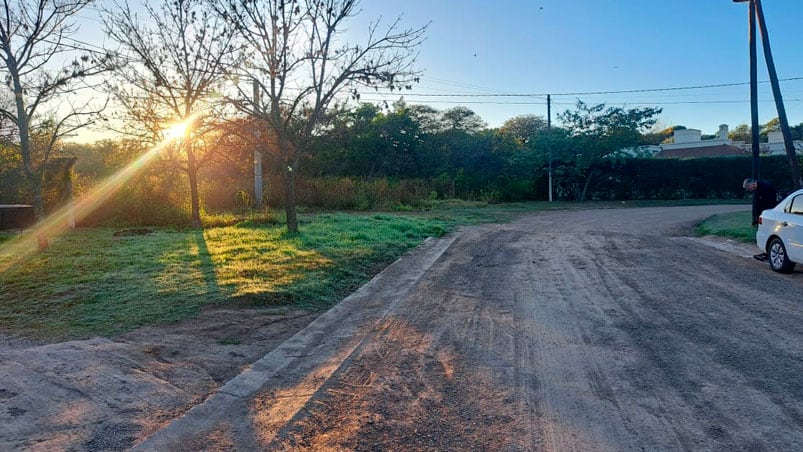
{"x":586,"y":330}
{"x":592,"y":330}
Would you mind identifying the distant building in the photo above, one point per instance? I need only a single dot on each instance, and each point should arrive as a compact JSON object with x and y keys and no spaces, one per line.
{"x":688,"y":144}
{"x":775,"y":145}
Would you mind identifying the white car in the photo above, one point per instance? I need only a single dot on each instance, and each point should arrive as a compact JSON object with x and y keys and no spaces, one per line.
{"x":780,"y":233}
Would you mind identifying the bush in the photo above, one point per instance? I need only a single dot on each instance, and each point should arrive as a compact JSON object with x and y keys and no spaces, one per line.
{"x":147,"y":200}
{"x":159,"y":197}
{"x":645,"y":179}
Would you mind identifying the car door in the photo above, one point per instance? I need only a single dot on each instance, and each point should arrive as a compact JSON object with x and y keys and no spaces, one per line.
{"x":792,"y":233}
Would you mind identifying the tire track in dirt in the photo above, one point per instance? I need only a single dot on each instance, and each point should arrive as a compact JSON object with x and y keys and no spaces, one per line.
{"x":597,"y":337}
{"x":594,"y":330}
{"x":433,"y":371}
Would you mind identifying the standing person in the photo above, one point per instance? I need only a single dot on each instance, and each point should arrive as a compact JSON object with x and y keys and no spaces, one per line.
{"x":764,"y":197}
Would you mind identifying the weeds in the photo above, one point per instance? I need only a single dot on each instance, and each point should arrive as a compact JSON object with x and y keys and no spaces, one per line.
{"x":91,"y":283}
{"x":733,"y":225}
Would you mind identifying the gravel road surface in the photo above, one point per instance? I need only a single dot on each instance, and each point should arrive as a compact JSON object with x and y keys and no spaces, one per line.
{"x":577,"y":330}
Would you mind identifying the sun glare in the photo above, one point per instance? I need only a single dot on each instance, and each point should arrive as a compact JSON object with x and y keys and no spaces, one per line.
{"x":13,"y":251}
{"x":176,"y":131}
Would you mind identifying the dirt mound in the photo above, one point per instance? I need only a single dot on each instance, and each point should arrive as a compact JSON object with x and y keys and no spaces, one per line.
{"x":102,"y":394}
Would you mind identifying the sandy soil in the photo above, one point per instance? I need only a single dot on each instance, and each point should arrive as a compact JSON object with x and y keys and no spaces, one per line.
{"x":602,"y":330}
{"x":108,"y":394}
{"x":592,"y":330}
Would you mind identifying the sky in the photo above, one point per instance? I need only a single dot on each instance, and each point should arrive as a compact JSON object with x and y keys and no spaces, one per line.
{"x":480,"y":49}
{"x":580,"y":46}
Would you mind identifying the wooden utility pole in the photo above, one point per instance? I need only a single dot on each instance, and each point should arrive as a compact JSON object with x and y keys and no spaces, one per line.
{"x":754,"y":126}
{"x":68,"y":170}
{"x":549,"y":127}
{"x":789,"y":145}
{"x":257,"y":156}
{"x":756,"y":13}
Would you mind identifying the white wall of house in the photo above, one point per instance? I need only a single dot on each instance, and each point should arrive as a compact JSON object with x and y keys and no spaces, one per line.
{"x":685,"y":136}
{"x":775,"y":144}
{"x":692,"y":138}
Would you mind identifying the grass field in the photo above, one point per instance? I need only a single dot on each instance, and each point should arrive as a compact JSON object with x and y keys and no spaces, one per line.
{"x":733,"y":225}
{"x":89,"y":282}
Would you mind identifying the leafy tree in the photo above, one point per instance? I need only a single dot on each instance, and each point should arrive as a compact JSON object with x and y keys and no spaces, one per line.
{"x":398,"y":144}
{"x":663,"y":136}
{"x":299,"y":63}
{"x":364,"y":142}
{"x":429,"y":119}
{"x":462,"y":118}
{"x":530,"y":151}
{"x":35,"y":41}
{"x":597,"y":133}
{"x":773,"y":125}
{"x":178,"y":59}
{"x":524,"y":128}
{"x":742,"y":132}
{"x":797,"y":131}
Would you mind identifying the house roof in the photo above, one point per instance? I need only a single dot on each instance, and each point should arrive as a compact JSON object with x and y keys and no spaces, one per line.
{"x":721,"y":150}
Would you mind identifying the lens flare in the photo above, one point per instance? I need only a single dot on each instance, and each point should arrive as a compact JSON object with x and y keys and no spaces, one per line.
{"x":177,"y":131}
{"x":13,"y":251}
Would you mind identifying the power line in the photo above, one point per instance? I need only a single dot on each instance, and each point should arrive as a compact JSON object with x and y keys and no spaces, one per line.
{"x":595,"y":93}
{"x":480,"y":102}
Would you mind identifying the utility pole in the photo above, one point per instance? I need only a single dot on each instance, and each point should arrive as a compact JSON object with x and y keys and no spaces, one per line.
{"x":548,"y":128}
{"x":754,"y":126}
{"x":68,"y":173}
{"x":257,"y":156}
{"x":756,"y":13}
{"x":789,"y":145}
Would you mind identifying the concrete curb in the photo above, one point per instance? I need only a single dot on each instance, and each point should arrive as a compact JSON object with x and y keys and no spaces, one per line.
{"x":728,"y":245}
{"x":318,"y":350}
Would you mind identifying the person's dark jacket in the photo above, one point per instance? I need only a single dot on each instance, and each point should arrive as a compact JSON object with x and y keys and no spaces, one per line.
{"x":764,"y":197}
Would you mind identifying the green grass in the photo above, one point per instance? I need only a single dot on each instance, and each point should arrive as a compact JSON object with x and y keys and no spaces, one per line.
{"x":89,"y":282}
{"x":733,"y":225}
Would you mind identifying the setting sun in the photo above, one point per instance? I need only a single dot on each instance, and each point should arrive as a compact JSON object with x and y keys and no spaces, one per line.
{"x":176,"y":131}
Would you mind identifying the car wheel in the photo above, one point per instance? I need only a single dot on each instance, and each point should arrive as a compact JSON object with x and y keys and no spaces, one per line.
{"x":777,"y":257}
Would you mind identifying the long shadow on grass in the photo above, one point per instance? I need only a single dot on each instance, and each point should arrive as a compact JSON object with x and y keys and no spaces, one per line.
{"x":207,"y":267}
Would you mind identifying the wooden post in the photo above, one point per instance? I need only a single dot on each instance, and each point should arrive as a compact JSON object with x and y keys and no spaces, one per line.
{"x":257,"y":155}
{"x":789,"y":145}
{"x":70,"y":195}
{"x":549,"y":127}
{"x":756,"y":167}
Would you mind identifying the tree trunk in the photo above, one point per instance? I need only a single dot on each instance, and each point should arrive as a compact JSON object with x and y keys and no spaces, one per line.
{"x":28,"y":166}
{"x":33,"y":175}
{"x":192,"y":172}
{"x":290,"y":198}
{"x":585,"y":186}
{"x":35,"y":180}
{"x":258,"y":180}
{"x":194,"y":202}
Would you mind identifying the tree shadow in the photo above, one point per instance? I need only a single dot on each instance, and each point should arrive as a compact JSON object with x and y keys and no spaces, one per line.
{"x":207,"y":267}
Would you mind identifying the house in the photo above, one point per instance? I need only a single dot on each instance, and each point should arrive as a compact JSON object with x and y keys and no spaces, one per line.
{"x":688,"y":143}
{"x":775,"y":145}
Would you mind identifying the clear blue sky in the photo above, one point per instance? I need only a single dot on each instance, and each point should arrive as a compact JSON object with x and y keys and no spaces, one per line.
{"x":571,"y":46}
{"x":565,"y":46}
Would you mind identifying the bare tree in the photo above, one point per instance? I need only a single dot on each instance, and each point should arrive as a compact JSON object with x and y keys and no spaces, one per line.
{"x":179,"y":53}
{"x":36,"y":37}
{"x":296,"y":55}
